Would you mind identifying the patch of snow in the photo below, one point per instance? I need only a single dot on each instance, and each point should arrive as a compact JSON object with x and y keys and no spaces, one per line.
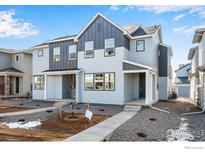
{"x":183,"y":133}
{"x":28,"y":125}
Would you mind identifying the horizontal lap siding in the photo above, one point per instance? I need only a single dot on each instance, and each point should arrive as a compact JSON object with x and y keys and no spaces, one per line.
{"x":64,"y":62}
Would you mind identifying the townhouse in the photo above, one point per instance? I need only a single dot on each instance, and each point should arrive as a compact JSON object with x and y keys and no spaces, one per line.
{"x":105,"y":64}
{"x":15,"y":72}
{"x":182,"y":80}
{"x":197,"y":76}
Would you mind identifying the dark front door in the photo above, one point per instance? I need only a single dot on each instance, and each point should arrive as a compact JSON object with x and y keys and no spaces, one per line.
{"x":142,"y":85}
{"x":2,"y":85}
{"x":17,"y":85}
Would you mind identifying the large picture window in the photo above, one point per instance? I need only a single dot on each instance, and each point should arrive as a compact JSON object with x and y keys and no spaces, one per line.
{"x":100,"y":81}
{"x":39,"y":82}
{"x":110,"y":47}
{"x":140,"y":45}
{"x":72,"y":52}
{"x":88,"y":81}
{"x":56,"y":54}
{"x":89,"y":49}
{"x":109,"y":81}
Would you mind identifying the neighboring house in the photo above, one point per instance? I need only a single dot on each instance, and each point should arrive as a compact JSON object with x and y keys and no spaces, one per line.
{"x":15,"y":72}
{"x":182,"y":80}
{"x":197,"y":76}
{"x":104,"y":63}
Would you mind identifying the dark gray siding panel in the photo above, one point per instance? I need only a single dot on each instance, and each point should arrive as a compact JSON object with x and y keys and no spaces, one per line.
{"x":64,"y":62}
{"x":163,"y":61}
{"x":139,"y":32}
{"x":126,"y":43}
{"x":127,"y":67}
{"x":98,"y":31}
{"x":65,"y":87}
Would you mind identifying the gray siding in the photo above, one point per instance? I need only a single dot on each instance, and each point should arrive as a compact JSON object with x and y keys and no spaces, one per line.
{"x":139,"y":32}
{"x":100,"y":30}
{"x":127,"y":67}
{"x":64,"y":62}
{"x":163,"y":61}
{"x":66,"y":93}
{"x":5,"y":60}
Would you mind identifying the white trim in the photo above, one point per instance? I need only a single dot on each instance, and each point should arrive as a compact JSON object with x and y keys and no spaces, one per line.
{"x":11,"y":74}
{"x":136,"y":28}
{"x":137,"y":64}
{"x":38,"y":47}
{"x":135,"y":71}
{"x":62,"y":72}
{"x":62,"y":39}
{"x":92,"y":20}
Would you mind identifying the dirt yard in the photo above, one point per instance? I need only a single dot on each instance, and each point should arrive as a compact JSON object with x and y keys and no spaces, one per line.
{"x":5,"y":109}
{"x":52,"y":129}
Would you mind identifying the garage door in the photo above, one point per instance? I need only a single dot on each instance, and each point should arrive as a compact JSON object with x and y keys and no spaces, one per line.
{"x":183,"y":91}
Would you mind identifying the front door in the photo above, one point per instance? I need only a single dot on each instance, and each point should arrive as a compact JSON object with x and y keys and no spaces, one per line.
{"x":142,"y":85}
{"x":17,"y":85}
{"x":2,"y":85}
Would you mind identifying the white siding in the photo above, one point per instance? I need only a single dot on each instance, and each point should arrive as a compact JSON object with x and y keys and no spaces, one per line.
{"x":101,"y":64}
{"x":39,"y":65}
{"x":163,"y":88}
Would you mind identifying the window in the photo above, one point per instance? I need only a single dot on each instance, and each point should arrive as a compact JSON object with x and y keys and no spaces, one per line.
{"x":72,"y":52}
{"x":99,"y":81}
{"x":39,"y":82}
{"x":88,"y":81}
{"x":89,"y":50}
{"x":109,"y":81}
{"x":16,"y":58}
{"x":56,"y":54}
{"x":140,"y":45}
{"x":40,"y":53}
{"x":110,"y":47}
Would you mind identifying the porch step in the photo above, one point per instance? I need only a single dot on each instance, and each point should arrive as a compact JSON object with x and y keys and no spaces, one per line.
{"x":132,"y":108}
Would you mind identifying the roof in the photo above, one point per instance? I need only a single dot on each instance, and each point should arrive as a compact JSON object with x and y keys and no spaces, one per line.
{"x":151,"y":29}
{"x":12,"y":51}
{"x":11,"y":70}
{"x":198,"y":35}
{"x":192,"y":52}
{"x":183,"y":67}
{"x":130,"y":28}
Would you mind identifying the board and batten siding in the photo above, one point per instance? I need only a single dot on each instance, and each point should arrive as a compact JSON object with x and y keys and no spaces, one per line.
{"x":163,"y":61}
{"x":100,"y":30}
{"x":64,"y":62}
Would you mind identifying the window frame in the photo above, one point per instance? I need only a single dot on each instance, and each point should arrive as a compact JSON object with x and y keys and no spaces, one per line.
{"x":17,"y":58}
{"x":42,"y":84}
{"x":143,"y":45}
{"x":88,"y":50}
{"x":40,"y":55}
{"x":54,"y":60}
{"x":85,"y":82}
{"x":69,"y":58}
{"x":109,"y":47}
{"x":94,"y":74}
{"x":100,"y":82}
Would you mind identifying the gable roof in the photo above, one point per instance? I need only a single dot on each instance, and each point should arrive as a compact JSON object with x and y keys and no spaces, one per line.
{"x":93,"y":19}
{"x":131,"y":28}
{"x":198,"y":35}
{"x":10,"y":70}
{"x":192,"y":52}
{"x":183,"y":67}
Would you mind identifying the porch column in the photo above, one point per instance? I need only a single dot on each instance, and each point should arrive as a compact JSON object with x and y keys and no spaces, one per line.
{"x":45,"y":87}
{"x":77,"y":87}
{"x":7,"y":85}
{"x":147,"y":95}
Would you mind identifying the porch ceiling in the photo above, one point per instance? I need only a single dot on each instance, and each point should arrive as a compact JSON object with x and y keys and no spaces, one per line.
{"x":62,"y":72}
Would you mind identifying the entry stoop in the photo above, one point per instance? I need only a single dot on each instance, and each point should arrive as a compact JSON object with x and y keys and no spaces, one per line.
{"x":133,"y":108}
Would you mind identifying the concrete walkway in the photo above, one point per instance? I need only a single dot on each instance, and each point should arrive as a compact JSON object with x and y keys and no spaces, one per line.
{"x":103,"y":130}
{"x":28,"y":111}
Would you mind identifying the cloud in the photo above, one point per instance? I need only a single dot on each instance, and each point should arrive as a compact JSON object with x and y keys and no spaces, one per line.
{"x":13,"y":27}
{"x":180,"y":16}
{"x":114,"y":8}
{"x":188,"y":30}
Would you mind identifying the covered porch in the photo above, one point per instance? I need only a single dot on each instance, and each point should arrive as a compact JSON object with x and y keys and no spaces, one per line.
{"x":61,"y":85}
{"x":11,"y":82}
{"x":140,"y":84}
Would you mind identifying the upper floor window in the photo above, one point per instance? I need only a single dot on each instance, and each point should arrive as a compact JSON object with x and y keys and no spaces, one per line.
{"x":140,"y":45}
{"x":16,"y":58}
{"x":40,"y":53}
{"x":72,"y":52}
{"x":89,"y":49}
{"x":110,"y":47}
{"x":56,"y":54}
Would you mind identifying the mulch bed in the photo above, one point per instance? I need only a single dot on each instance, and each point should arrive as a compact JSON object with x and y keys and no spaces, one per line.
{"x":4,"y":109}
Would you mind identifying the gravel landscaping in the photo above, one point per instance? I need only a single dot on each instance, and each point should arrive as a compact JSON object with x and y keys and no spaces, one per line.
{"x":152,"y":125}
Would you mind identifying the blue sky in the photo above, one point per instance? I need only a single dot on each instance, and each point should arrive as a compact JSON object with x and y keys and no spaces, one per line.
{"x":24,"y":26}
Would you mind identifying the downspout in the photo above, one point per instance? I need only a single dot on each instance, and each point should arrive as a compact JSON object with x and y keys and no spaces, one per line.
{"x":156,"y":108}
{"x":190,"y":113}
